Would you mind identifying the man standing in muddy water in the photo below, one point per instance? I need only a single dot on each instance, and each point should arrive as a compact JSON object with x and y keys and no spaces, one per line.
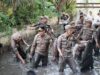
{"x":40,"y":47}
{"x":16,"y":44}
{"x":64,"y":46}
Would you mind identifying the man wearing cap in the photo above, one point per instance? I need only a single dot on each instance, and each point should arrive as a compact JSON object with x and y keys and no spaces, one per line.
{"x":43,"y":20}
{"x":16,"y":44}
{"x":40,"y":47}
{"x":64,"y":45}
{"x":87,"y":31}
{"x":43,"y":23}
{"x":64,"y":19}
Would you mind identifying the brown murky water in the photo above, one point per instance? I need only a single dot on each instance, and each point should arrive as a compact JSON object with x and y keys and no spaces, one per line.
{"x":9,"y":67}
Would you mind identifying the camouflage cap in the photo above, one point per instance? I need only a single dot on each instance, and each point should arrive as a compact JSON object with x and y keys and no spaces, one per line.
{"x":46,"y":17}
{"x":69,"y":27}
{"x":41,"y":17}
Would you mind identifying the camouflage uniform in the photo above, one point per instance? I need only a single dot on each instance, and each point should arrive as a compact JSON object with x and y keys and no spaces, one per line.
{"x":65,"y":44}
{"x":40,"y":46}
{"x":87,"y":60}
{"x":85,"y":35}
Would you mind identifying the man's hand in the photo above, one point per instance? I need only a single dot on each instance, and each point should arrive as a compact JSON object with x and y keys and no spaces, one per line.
{"x":20,"y":57}
{"x":23,"y":62}
{"x":61,"y":54}
{"x":97,"y":45}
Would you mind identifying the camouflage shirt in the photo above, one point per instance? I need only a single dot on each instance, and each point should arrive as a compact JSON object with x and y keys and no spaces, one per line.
{"x":65,"y":45}
{"x":77,"y":31}
{"x":41,"y":44}
{"x":86,"y":34}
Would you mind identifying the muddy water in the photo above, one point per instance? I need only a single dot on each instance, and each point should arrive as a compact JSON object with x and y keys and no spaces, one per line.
{"x":8,"y":66}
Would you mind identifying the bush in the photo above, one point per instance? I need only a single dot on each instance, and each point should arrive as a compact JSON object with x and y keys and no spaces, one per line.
{"x":5,"y":23}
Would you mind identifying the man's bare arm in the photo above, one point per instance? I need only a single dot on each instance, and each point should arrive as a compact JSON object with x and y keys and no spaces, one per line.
{"x":13,"y":45}
{"x":59,"y":45}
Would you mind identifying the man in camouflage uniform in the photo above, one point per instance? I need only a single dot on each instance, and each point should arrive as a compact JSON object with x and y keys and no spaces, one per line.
{"x":43,"y":23}
{"x":84,"y":36}
{"x":87,"y":60}
{"x":40,"y":47}
{"x":16,"y":44}
{"x":64,"y":46}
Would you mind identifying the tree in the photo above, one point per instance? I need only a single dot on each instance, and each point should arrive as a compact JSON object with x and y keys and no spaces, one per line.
{"x":65,"y":6}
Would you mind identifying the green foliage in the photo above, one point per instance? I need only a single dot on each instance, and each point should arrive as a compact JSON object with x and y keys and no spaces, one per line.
{"x":50,"y":9}
{"x":24,"y":13}
{"x":17,"y":13}
{"x":5,"y":23}
{"x":70,"y":7}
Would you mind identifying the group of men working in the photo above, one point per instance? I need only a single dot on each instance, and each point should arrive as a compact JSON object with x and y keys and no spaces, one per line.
{"x":76,"y":44}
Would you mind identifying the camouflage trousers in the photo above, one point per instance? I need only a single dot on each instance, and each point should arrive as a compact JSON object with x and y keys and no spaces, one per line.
{"x":72,"y":64}
{"x":78,"y":50}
